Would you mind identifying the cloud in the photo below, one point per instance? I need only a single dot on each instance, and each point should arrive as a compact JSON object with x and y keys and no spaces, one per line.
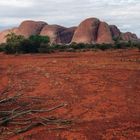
{"x":15,"y":3}
{"x":123,"y":13}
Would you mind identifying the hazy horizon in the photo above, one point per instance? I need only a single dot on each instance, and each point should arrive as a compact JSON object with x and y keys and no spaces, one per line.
{"x":123,"y":13}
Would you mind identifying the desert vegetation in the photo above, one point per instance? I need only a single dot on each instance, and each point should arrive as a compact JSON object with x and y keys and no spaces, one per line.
{"x":17,"y":44}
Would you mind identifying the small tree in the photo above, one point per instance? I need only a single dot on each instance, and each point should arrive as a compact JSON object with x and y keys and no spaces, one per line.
{"x":27,"y":47}
{"x":39,"y":41}
{"x":13,"y":43}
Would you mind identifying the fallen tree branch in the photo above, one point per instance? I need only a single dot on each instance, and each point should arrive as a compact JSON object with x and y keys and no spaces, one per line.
{"x":44,"y":123}
{"x":22,"y":113}
{"x":27,"y":112}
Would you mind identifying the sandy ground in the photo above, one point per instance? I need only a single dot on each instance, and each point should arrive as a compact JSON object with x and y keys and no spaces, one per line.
{"x":101,"y":90}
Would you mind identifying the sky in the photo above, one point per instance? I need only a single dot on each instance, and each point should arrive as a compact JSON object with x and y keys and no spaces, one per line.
{"x":123,"y":13}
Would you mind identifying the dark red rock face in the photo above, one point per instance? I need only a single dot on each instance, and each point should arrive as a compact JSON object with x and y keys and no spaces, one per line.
{"x":114,"y":31}
{"x":104,"y":34}
{"x":66,"y":35}
{"x":53,"y":31}
{"x":58,"y":34}
{"x":87,"y":31}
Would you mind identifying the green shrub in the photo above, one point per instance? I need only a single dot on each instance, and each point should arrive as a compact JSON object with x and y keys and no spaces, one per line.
{"x":139,"y":48}
{"x":103,"y":47}
{"x":77,"y":45}
{"x":45,"y":48}
{"x":13,"y":43}
{"x":117,"y":46}
{"x":27,"y":46}
{"x":37,"y":41}
{"x":9,"y":50}
{"x":18,"y":44}
{"x":137,"y":45}
{"x":2,"y":47}
{"x":123,"y":45}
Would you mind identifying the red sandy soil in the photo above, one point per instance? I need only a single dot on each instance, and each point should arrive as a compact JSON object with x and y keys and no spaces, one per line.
{"x":101,"y":90}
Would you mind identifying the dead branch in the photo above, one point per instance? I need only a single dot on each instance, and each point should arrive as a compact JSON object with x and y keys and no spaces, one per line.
{"x":27,"y":128}
{"x":23,"y":113}
{"x":56,"y":121}
{"x":9,"y":99}
{"x":7,"y":89}
{"x":28,"y":112}
{"x":45,"y":123}
{"x":20,"y":123}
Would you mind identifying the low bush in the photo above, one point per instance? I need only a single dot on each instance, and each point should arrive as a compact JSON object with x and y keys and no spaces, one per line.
{"x":103,"y":47}
{"x":2,"y":47}
{"x":45,"y":48}
{"x":27,"y":46}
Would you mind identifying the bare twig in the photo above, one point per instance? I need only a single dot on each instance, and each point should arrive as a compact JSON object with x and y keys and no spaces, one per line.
{"x":27,"y":128}
{"x":9,"y":99}
{"x":7,"y":89}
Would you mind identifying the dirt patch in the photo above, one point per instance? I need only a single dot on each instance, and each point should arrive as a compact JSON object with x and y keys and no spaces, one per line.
{"x":101,"y":90}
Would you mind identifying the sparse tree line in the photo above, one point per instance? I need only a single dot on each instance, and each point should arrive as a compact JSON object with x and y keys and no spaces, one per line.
{"x":17,"y":44}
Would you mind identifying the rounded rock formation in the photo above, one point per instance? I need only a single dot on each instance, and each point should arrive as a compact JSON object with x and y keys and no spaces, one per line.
{"x":28,"y":28}
{"x":4,"y":33}
{"x":104,"y":34}
{"x":87,"y":31}
{"x":90,"y":31}
{"x":128,"y":36}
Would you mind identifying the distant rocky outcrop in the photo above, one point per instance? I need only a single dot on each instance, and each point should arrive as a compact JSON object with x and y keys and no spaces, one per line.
{"x":115,"y":31}
{"x":90,"y":31}
{"x":128,"y":36}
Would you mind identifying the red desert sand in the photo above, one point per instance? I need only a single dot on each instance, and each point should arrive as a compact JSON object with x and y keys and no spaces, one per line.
{"x":100,"y":90}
